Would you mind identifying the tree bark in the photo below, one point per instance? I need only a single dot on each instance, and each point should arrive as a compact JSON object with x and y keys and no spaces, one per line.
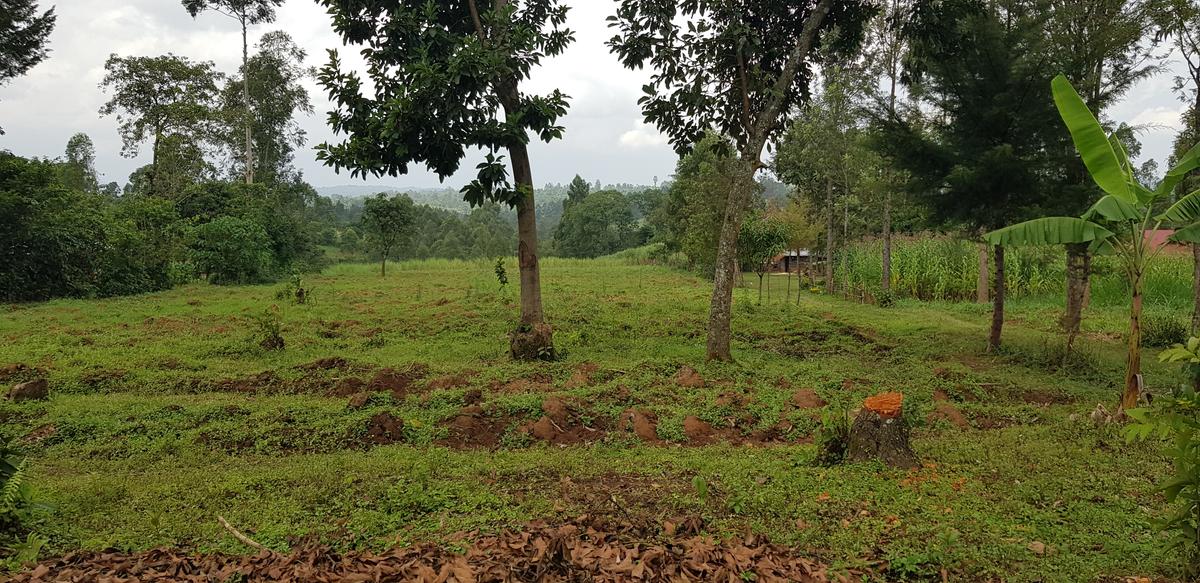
{"x":721,"y":307}
{"x":981,"y":288}
{"x":997,"y":302}
{"x":886,"y":284}
{"x":246,"y":105}
{"x":383,"y":266}
{"x":1079,"y":263}
{"x":1196,"y":286}
{"x":829,"y":236}
{"x":1133,"y":370}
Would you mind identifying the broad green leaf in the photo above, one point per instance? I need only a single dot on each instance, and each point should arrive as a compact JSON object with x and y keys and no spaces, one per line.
{"x":1049,"y":231}
{"x":1184,"y":212}
{"x":1188,"y":234}
{"x":1102,"y":247}
{"x":1090,"y":141}
{"x":1113,"y":209}
{"x":1190,"y":161}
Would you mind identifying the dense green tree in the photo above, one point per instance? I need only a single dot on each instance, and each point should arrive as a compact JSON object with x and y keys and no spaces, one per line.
{"x":447,"y":77}
{"x":79,"y":164}
{"x":276,"y":76}
{"x":23,"y":36}
{"x":231,"y":250}
{"x":156,"y":98}
{"x":576,"y":192}
{"x":600,"y":224}
{"x":739,"y":69}
{"x":247,"y":13}
{"x":386,"y":221}
{"x":991,"y":149}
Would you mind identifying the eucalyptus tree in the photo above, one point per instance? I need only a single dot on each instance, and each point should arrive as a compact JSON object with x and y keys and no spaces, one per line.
{"x":737,"y":68}
{"x":276,"y":74}
{"x":155,"y":98}
{"x":1118,"y":221}
{"x":446,"y":77}
{"x":23,"y":36}
{"x":246,"y":13}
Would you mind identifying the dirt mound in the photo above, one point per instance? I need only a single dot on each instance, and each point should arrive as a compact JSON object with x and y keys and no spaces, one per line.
{"x":348,"y":386}
{"x":397,"y":382}
{"x":473,"y":428}
{"x":807,"y":399}
{"x":263,"y":381}
{"x":570,"y":552}
{"x":534,"y":383}
{"x":582,"y":376}
{"x":563,"y":425}
{"x":358,"y":401}
{"x":385,"y":428}
{"x":473,"y":397}
{"x":331,"y":363}
{"x":642,"y":424}
{"x":688,"y":377}
{"x":949,"y":413}
{"x":453,"y":381}
{"x":698,"y":431}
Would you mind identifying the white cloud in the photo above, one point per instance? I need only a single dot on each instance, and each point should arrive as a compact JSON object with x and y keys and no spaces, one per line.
{"x":1160,"y":118}
{"x":643,"y":136}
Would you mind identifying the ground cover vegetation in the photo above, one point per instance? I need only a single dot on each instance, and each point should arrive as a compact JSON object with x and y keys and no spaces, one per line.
{"x":932,"y":372}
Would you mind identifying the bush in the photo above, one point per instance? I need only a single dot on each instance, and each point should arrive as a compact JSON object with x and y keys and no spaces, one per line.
{"x":885,"y":298}
{"x":1175,"y":419}
{"x":232,"y":250}
{"x":1163,"y":330}
{"x":18,"y":545}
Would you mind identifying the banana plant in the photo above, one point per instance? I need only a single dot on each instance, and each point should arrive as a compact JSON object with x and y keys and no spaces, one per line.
{"x":1117,"y":223}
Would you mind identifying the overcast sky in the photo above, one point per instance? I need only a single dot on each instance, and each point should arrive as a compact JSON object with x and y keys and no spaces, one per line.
{"x":605,"y":136}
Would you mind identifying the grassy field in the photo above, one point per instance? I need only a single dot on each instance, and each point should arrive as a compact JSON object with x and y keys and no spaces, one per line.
{"x":166,"y":413}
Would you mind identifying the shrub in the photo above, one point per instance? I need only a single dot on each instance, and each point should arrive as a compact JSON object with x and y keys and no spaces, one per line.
{"x":18,"y":545}
{"x":1163,"y":330}
{"x":833,"y":437}
{"x":885,"y":298}
{"x":232,"y":250}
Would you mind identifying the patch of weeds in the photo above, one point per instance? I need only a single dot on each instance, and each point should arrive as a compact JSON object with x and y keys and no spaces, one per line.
{"x":514,"y":438}
{"x":1160,"y":330}
{"x":671,"y":429}
{"x":269,"y":329}
{"x":833,"y":437}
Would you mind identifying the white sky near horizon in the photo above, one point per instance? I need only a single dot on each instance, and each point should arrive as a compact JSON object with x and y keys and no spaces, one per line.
{"x":605,"y":140}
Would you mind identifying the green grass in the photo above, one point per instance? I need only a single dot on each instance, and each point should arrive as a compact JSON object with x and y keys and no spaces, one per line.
{"x":147,"y":451}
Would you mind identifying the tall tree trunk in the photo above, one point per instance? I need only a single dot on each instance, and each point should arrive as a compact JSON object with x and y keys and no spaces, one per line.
{"x":829,"y":235}
{"x":981,"y":288}
{"x":1196,"y":288}
{"x":760,"y":284}
{"x":533,"y":339}
{"x":1133,"y":369}
{"x":246,"y":104}
{"x":997,"y":302}
{"x":721,"y":307}
{"x":886,"y":284}
{"x":1079,"y":264}
{"x":383,"y":266}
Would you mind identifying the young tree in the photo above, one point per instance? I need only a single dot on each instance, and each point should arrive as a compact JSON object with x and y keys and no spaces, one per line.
{"x":23,"y":36}
{"x":759,"y":242}
{"x":246,"y":13}
{"x":276,"y":74}
{"x":447,"y":77}
{"x":158,"y":97}
{"x":1118,"y":221}
{"x":736,"y":68}
{"x":79,"y":167}
{"x":387,"y":220}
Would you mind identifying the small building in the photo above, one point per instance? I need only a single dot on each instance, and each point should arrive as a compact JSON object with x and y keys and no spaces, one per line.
{"x":792,"y":261}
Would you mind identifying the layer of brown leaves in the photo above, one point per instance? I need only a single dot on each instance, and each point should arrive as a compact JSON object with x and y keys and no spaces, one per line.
{"x":538,"y":553}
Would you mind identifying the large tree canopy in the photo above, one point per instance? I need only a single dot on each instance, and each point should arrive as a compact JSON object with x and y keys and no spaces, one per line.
{"x":442,"y":87}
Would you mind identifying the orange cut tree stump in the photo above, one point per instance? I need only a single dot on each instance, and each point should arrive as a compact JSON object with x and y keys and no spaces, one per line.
{"x":880,"y":432}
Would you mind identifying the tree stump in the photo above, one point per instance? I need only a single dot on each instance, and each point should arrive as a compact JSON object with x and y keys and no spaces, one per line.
{"x":880,"y":432}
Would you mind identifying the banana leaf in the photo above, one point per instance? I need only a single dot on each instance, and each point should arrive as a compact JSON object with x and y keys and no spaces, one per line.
{"x":1048,"y":231}
{"x":1188,"y":234}
{"x":1184,"y":212}
{"x":1190,"y":161}
{"x":1091,"y":142}
{"x":1112,"y":209}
